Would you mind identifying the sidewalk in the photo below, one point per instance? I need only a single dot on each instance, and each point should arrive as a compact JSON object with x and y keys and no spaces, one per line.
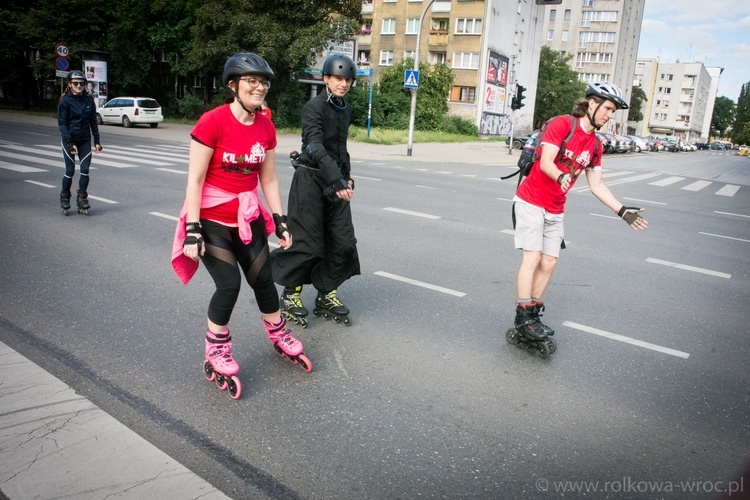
{"x":55,"y":443}
{"x":479,"y":152}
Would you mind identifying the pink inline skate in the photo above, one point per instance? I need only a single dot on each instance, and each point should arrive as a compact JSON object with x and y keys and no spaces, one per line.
{"x":286,"y":345}
{"x":220,"y":365}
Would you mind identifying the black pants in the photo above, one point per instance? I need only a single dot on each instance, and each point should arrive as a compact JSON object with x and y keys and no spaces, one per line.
{"x":84,"y":160}
{"x":224,"y":250}
{"x":324,"y":249}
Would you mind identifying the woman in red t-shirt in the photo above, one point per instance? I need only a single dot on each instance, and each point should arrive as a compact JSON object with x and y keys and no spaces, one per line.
{"x":540,"y":202}
{"x":226,"y":226}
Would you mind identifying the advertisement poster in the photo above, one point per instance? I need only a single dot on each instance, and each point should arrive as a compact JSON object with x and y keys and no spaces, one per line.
{"x":315,"y":74}
{"x":96,"y":80}
{"x":494,"y":99}
{"x":497,"y":69}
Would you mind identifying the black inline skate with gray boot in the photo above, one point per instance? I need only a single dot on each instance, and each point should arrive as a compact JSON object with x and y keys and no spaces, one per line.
{"x":82,"y":199}
{"x":292,"y":307}
{"x":329,"y":306}
{"x":65,"y":201}
{"x":529,"y":333}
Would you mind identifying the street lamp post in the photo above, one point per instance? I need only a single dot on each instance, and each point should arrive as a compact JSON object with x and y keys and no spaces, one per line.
{"x":413,"y":113}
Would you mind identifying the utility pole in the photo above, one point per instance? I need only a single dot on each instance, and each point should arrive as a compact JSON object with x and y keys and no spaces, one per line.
{"x":413,"y":113}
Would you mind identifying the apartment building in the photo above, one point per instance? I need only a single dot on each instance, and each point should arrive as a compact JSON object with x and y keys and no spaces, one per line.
{"x":602,"y":36}
{"x":680,"y":97}
{"x":490,"y":45}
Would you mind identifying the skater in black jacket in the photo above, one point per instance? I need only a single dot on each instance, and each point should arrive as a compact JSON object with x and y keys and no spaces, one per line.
{"x":320,"y":217}
{"x":76,"y":117}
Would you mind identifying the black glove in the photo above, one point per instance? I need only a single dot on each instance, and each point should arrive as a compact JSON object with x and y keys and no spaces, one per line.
{"x":192,"y":240}
{"x":280,"y":221}
{"x":340,"y":184}
{"x":630,"y":215}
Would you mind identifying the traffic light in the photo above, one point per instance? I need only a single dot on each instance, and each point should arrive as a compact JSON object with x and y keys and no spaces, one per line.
{"x":517,"y":102}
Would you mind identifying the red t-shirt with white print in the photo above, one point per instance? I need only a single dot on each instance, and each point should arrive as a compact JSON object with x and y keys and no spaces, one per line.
{"x":239,"y":152}
{"x":538,"y":188}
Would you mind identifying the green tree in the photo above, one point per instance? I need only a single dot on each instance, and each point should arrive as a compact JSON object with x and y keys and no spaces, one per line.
{"x":636,"y":104}
{"x":722,"y":117}
{"x":741,"y":124}
{"x":557,"y":86}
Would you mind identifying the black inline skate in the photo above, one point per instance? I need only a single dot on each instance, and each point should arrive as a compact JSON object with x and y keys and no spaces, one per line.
{"x":329,"y":306}
{"x":292,"y":307}
{"x":65,"y":201}
{"x":529,"y":332}
{"x":82,"y":199}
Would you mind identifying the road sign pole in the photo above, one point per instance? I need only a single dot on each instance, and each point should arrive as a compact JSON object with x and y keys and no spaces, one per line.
{"x":414,"y":91}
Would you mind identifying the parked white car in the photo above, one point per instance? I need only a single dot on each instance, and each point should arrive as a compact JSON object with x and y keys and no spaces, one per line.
{"x":130,"y":111}
{"x":641,"y":143}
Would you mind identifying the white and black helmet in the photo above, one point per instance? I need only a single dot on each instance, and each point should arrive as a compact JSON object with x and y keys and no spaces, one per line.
{"x":246,"y":63}
{"x":608,"y":91}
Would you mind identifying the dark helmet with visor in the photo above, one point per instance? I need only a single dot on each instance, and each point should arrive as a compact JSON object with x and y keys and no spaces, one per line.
{"x":340,"y":65}
{"x":246,"y":63}
{"x":608,"y":91}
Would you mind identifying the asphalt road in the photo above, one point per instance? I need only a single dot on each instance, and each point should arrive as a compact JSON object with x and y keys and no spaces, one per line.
{"x":646,"y":397}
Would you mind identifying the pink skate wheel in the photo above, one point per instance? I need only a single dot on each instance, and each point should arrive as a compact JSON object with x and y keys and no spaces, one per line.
{"x":234,"y":388}
{"x":305,"y":363}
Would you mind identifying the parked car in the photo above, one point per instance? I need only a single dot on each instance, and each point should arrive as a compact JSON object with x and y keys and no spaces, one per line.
{"x":130,"y":111}
{"x":606,"y":142}
{"x":625,"y":144}
{"x":701,"y":145}
{"x":520,"y":140}
{"x":672,"y":145}
{"x":641,"y":143}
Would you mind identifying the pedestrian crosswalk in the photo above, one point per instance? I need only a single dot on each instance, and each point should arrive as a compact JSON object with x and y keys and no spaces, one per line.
{"x":173,"y":159}
{"x":31,"y":159}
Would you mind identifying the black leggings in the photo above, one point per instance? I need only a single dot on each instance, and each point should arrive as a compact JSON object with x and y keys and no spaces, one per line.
{"x":224,"y":250}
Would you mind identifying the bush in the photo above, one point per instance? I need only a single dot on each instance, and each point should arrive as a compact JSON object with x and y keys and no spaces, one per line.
{"x":190,"y":107}
{"x":458,"y":125}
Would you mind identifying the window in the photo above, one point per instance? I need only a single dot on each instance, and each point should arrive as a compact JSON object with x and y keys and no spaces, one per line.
{"x":468,"y":26}
{"x":463,"y":94}
{"x":550,"y":34}
{"x":596,"y":37}
{"x":436,"y":58}
{"x":410,"y":54}
{"x":465,"y":60}
{"x":604,"y":16}
{"x":567,"y":14}
{"x":667,"y":90}
{"x":594,"y":58}
{"x":412,"y":26}
{"x":389,"y":27}
{"x":386,"y":58}
{"x":565,"y":35}
{"x":552,"y":14}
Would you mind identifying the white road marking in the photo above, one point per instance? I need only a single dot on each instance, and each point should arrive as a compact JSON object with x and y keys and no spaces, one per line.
{"x":20,"y":168}
{"x":435,"y":188}
{"x":420,"y":283}
{"x":34,"y":159}
{"x":689,"y":268}
{"x":627,"y":340}
{"x":505,"y":199}
{"x":409,"y":212}
{"x":131,"y":156}
{"x":608,"y":174}
{"x":58,"y":153}
{"x":697,"y":185}
{"x":40,"y":184}
{"x":730,"y":213}
{"x":104,"y":200}
{"x":728,"y":190}
{"x":511,"y":232}
{"x":366,"y":178}
{"x":666,"y":182}
{"x":635,"y":178}
{"x":164,"y":216}
{"x":172,"y":171}
{"x":604,"y":216}
{"x":644,"y":201}
{"x":726,"y":237}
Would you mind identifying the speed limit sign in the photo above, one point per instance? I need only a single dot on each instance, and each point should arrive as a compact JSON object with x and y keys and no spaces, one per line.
{"x":62,"y":50}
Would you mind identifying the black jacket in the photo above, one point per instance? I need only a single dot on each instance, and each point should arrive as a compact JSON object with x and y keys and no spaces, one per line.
{"x":325,"y":129}
{"x":76,"y":117}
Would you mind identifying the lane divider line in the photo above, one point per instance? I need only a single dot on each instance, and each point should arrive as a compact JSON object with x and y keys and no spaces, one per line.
{"x":689,"y":268}
{"x":420,"y":283}
{"x":627,"y":340}
{"x":409,"y":212}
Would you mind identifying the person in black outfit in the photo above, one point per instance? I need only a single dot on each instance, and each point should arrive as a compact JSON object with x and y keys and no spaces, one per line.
{"x":76,"y":117}
{"x":325,"y":249}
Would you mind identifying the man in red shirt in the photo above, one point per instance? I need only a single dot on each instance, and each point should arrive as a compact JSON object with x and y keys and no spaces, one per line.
{"x":540,"y":199}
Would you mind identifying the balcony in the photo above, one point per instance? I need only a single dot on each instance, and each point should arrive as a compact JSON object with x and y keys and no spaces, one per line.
{"x":367,"y":7}
{"x":438,"y":38}
{"x":441,"y":6}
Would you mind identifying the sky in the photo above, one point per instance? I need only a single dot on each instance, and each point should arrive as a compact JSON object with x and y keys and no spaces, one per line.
{"x":714,"y":32}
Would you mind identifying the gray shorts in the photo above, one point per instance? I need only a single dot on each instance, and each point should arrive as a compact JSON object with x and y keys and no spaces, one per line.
{"x":537,"y":233}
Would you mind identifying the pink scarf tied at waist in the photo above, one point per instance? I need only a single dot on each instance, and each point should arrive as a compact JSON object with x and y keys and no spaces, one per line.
{"x":250,"y":209}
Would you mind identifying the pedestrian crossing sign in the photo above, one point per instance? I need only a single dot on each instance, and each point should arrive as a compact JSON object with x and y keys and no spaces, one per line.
{"x":411,"y":79}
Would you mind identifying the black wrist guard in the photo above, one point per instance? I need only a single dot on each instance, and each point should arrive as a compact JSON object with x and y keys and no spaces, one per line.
{"x":340,"y":184}
{"x":192,"y":240}
{"x":560,"y":178}
{"x":280,"y":221}
{"x":193,"y":227}
{"x":630,"y":215}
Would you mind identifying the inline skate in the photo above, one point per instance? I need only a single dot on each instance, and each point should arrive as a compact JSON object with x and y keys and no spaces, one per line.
{"x":329,"y":306}
{"x":286,"y":345}
{"x":65,"y":201}
{"x":82,"y":199}
{"x":529,"y":333}
{"x":220,"y":366}
{"x":292,"y":307}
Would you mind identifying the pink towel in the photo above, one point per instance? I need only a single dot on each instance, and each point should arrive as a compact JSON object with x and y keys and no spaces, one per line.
{"x":250,"y":209}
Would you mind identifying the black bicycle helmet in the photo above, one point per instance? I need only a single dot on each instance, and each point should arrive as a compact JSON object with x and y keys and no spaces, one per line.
{"x":76,"y":74}
{"x":246,"y":63}
{"x":340,"y":65}
{"x":608,"y":91}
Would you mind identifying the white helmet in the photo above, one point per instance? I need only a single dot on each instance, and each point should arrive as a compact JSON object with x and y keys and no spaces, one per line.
{"x":608,"y":91}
